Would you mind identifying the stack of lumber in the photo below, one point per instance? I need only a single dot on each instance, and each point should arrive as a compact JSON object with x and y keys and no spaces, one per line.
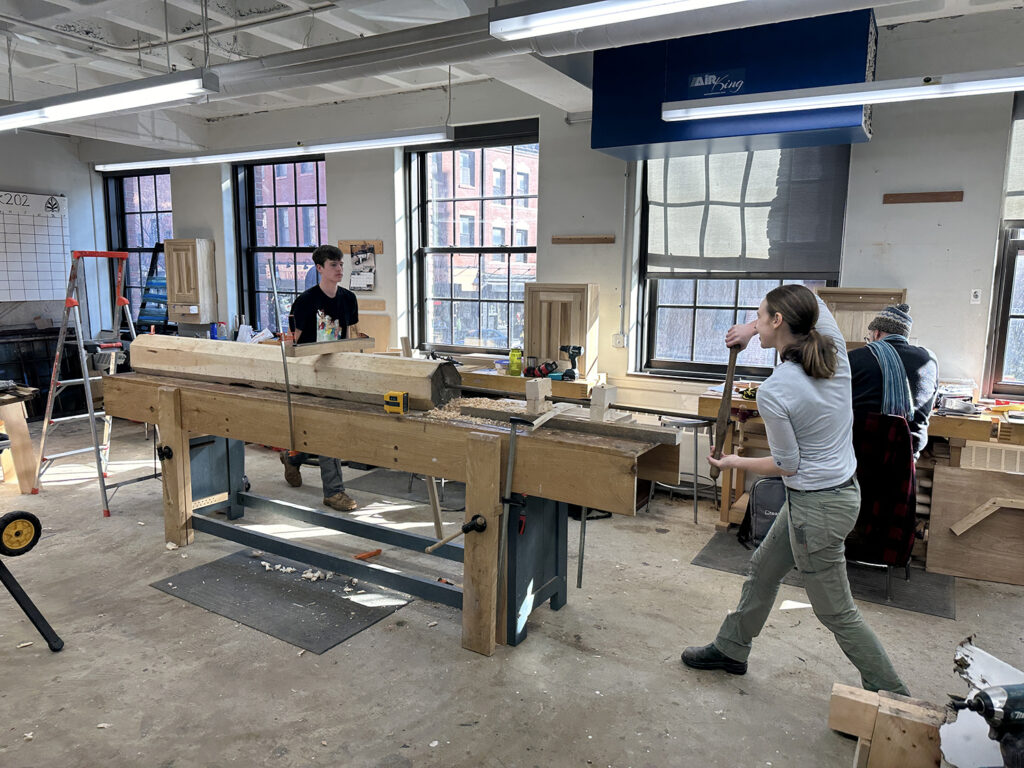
{"x":891,"y":730}
{"x":363,"y":378}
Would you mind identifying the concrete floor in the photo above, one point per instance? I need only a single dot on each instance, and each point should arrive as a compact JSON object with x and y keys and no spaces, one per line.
{"x":597,"y":683}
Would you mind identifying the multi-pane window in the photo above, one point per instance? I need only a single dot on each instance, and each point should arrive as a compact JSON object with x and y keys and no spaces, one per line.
{"x":692,"y":317}
{"x":1006,"y":348}
{"x":471,"y":286}
{"x":1005,"y":369}
{"x":139,"y":218}
{"x":723,"y":230}
{"x":283,"y":210}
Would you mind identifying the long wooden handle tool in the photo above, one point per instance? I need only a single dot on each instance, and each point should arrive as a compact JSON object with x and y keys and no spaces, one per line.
{"x":284,"y":357}
{"x":724,"y":410}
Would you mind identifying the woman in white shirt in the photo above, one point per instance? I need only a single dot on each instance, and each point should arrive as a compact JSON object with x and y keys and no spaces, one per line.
{"x":808,"y":416}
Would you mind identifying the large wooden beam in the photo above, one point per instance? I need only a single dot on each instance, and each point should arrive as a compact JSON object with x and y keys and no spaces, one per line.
{"x":350,"y":376}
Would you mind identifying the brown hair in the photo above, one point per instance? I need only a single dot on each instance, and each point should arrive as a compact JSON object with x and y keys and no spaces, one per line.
{"x":799,"y":309}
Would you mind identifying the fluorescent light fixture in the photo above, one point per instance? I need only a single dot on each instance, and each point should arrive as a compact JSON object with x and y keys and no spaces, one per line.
{"x":538,"y":18}
{"x":147,"y":92}
{"x":851,"y":94}
{"x":404,"y":138}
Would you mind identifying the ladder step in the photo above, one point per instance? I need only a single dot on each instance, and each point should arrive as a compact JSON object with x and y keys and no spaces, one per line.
{"x":79,"y":417}
{"x":76,"y":452}
{"x":68,"y":382}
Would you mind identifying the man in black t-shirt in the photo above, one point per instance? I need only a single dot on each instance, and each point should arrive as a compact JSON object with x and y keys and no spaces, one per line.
{"x":325,"y":312}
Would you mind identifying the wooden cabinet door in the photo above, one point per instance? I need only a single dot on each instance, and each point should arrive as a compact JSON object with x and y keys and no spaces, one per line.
{"x":182,"y":272}
{"x":191,"y":280}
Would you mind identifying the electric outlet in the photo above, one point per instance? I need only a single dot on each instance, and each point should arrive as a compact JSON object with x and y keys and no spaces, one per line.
{"x":619,"y":340}
{"x":975,"y":295}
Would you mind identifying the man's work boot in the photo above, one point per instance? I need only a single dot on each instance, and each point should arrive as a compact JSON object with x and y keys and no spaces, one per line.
{"x":291,"y":472}
{"x":340,"y":501}
{"x":709,"y":657}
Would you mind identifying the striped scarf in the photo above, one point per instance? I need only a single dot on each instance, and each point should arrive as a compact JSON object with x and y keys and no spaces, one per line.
{"x":896,"y":399}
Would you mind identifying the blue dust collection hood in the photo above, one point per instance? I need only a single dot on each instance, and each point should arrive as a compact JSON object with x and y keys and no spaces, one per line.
{"x":631,"y":84}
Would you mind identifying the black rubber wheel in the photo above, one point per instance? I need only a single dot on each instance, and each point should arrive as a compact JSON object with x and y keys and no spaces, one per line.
{"x":19,"y":532}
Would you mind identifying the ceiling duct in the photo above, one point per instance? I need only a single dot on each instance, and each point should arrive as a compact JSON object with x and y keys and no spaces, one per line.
{"x":467,"y":39}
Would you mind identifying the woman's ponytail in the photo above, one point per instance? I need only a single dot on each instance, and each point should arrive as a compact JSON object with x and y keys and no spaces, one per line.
{"x":815,"y":353}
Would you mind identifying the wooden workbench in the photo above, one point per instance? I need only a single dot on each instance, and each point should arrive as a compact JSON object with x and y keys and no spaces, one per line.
{"x":957,"y":429}
{"x":589,"y":470}
{"x":20,"y":461}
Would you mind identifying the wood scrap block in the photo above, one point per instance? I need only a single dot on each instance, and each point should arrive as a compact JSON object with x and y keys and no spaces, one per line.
{"x":852,"y":711}
{"x":906,"y":734}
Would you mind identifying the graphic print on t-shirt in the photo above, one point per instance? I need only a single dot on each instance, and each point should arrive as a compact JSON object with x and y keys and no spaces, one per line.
{"x":327,"y":328}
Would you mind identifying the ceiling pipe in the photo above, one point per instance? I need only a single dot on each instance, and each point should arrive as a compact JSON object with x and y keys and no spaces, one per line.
{"x":467,"y":39}
{"x":183,"y":38}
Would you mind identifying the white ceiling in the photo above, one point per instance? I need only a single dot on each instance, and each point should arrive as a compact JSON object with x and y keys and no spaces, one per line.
{"x":59,"y":46}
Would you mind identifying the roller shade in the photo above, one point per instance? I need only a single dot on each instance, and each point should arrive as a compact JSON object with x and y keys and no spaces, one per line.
{"x":777,"y":211}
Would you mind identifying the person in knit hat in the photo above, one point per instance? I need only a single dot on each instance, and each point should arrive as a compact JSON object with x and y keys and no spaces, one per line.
{"x":902,"y":384}
{"x":893,"y":319}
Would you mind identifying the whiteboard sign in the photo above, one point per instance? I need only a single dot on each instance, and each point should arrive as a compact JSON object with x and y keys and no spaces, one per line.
{"x":33,"y":205}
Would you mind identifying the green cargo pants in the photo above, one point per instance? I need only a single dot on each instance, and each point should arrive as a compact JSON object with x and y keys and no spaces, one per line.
{"x":810,"y":532}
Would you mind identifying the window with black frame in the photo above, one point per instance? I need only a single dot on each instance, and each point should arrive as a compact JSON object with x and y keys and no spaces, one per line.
{"x":140,"y":218}
{"x":721,"y":231}
{"x":478,"y":242}
{"x":1005,"y":370}
{"x":282,"y":213}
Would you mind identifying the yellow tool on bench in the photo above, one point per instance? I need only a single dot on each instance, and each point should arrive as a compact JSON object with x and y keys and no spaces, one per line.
{"x":396,"y":402}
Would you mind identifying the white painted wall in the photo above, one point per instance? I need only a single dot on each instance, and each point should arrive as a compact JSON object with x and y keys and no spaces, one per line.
{"x":938,"y":251}
{"x":42,"y":164}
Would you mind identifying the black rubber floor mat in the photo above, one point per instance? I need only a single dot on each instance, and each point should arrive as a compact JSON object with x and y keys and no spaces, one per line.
{"x":388,"y":482}
{"x":315,"y":615}
{"x":930,"y":593}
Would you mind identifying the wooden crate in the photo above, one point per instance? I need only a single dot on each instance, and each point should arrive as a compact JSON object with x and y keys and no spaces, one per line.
{"x":855,"y":308}
{"x":558,"y":314}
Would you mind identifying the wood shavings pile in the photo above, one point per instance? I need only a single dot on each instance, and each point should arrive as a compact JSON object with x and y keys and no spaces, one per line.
{"x":452,"y":410}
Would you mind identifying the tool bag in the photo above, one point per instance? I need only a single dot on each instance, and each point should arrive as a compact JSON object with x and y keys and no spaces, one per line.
{"x":766,"y":499}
